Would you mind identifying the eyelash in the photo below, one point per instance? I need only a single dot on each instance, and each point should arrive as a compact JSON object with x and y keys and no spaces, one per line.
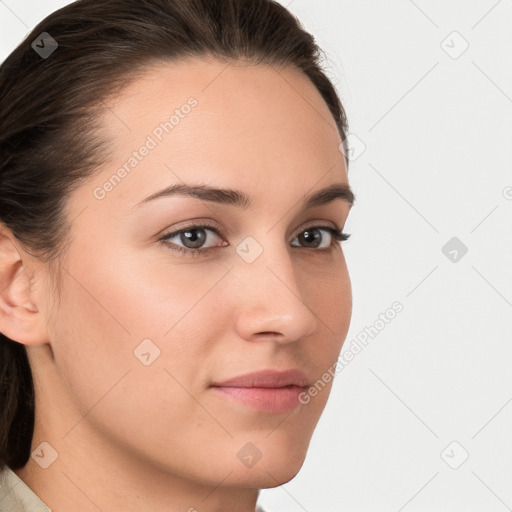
{"x":338,"y":236}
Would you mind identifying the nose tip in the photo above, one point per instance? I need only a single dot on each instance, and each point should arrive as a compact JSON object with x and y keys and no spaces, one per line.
{"x":274,"y":311}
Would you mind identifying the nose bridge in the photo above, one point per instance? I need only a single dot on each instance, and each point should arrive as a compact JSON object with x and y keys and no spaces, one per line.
{"x":270,"y":299}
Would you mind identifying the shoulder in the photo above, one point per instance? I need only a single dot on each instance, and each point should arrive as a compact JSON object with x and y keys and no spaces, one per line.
{"x":16,"y":496}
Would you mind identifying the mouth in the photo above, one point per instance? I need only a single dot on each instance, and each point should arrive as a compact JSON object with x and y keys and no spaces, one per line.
{"x":271,"y":400}
{"x":269,"y":391}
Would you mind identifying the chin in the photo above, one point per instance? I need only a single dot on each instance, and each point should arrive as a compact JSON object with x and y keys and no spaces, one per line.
{"x":276,"y":468}
{"x":284,"y":473}
{"x":267,"y":478}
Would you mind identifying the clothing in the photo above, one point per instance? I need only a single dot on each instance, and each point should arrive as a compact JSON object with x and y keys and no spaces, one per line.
{"x":16,"y":495}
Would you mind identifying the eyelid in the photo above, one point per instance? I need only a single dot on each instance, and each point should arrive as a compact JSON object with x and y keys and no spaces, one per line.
{"x":337,"y":235}
{"x":193,"y":223}
{"x":315,"y":223}
{"x":221,"y":231}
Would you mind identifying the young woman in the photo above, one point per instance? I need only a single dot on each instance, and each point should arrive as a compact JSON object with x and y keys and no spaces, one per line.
{"x":173,"y":290}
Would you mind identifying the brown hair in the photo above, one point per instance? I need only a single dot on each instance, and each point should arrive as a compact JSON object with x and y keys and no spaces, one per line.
{"x":49,"y":137}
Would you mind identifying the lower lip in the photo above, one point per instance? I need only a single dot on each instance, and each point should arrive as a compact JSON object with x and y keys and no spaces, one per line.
{"x":264,"y":399}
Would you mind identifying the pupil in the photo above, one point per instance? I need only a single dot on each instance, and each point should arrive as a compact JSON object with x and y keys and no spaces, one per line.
{"x":196,"y":239}
{"x":191,"y":236}
{"x":310,"y":236}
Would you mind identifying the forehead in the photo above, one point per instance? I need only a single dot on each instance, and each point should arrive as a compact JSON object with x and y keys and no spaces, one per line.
{"x":238,"y":125}
{"x":233,"y":98}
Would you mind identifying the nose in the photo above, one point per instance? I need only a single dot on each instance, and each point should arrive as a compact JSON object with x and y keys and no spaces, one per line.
{"x":270,"y":302}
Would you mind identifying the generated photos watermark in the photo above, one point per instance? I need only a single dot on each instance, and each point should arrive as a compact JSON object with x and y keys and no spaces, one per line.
{"x":357,"y":344}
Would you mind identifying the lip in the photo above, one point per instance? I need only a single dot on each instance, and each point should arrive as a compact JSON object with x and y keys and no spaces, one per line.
{"x":270,"y":391}
{"x":267,"y":379}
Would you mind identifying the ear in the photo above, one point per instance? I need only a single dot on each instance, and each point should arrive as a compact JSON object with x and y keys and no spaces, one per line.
{"x":20,"y":317}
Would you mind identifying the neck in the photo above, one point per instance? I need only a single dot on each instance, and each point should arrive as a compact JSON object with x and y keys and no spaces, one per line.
{"x":92,"y":472}
{"x":88,"y":476}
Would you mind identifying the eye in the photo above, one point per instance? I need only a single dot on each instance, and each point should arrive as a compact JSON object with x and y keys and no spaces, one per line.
{"x":193,"y":238}
{"x":311,"y":236}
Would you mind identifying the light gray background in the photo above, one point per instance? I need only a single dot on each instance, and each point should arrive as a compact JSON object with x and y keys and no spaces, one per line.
{"x":431,"y":129}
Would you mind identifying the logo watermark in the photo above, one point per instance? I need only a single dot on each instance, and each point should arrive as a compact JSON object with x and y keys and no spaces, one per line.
{"x":152,"y":141}
{"x":356,"y":346}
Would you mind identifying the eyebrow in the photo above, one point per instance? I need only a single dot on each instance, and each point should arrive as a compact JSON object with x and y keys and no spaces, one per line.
{"x":241,"y":199}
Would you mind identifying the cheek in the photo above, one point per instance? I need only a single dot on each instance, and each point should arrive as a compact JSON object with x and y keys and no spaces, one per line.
{"x":329,"y":295}
{"x":117,"y":317}
{"x":101,"y":322}
{"x":113,"y":303}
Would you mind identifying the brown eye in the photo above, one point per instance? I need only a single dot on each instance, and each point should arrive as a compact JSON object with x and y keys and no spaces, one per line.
{"x":192,"y":239}
{"x":312,"y":237}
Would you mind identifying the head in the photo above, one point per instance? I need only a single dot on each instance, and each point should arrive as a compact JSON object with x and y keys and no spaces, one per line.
{"x":102,"y":316}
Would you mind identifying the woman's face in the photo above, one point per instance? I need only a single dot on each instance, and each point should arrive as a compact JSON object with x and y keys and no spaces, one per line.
{"x":143,"y":330}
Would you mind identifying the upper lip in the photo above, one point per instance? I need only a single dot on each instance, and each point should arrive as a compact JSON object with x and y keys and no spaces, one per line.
{"x":266,"y":379}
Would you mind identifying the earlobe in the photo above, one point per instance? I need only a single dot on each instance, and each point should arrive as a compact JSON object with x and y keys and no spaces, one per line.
{"x":20,"y":318}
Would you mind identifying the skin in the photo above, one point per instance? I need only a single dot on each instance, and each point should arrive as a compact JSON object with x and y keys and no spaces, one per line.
{"x":132,"y":437}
